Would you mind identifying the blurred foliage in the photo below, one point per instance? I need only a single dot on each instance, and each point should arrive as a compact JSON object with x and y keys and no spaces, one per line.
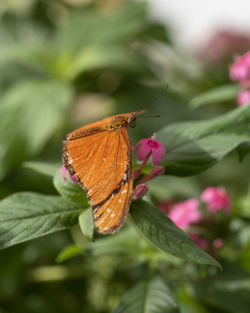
{"x":63,"y":64}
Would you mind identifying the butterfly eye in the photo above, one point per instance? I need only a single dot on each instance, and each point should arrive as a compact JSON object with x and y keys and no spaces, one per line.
{"x":131,"y":121}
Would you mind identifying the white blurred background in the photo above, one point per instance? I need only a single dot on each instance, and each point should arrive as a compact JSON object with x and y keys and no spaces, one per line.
{"x":191,"y":19}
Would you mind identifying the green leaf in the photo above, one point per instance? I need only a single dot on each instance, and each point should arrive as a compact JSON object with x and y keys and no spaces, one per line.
{"x":96,"y":57}
{"x":243,"y":150}
{"x":89,"y":26}
{"x":193,"y":147}
{"x":87,"y":224}
{"x":149,"y":296}
{"x":229,"y":295}
{"x":30,"y":113}
{"x":26,"y":215}
{"x":189,"y":304}
{"x":44,"y":168}
{"x":69,"y":190}
{"x":68,"y":253}
{"x":218,"y":94}
{"x":163,"y":233}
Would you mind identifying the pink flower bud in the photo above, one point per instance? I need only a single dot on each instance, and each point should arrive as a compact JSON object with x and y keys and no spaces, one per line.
{"x":185,"y":213}
{"x":218,"y":243}
{"x":201,"y":242}
{"x":140,"y":191}
{"x":216,"y":199}
{"x":64,"y":171}
{"x":154,"y":173}
{"x":243,"y":97}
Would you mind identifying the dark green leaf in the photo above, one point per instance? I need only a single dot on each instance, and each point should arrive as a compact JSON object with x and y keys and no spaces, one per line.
{"x":69,"y":190}
{"x":189,"y":304}
{"x":25,"y":216}
{"x":193,"y":147}
{"x":243,"y":150}
{"x":218,"y":94}
{"x":149,"y":296}
{"x":87,"y":224}
{"x":163,"y":233}
{"x":231,"y":295}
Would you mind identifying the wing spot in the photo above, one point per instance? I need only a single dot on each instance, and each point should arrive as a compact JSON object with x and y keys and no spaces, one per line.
{"x":124,"y":191}
{"x":104,"y":159}
{"x":112,"y":215}
{"x":108,"y":210}
{"x":120,"y":200}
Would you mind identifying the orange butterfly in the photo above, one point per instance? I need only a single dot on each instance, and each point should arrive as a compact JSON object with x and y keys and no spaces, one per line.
{"x":100,"y":157}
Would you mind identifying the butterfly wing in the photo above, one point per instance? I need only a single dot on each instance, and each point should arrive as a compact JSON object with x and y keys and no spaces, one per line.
{"x":102,"y":163}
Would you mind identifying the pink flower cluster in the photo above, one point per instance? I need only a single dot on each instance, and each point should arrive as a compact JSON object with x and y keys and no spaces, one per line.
{"x":240,"y":72}
{"x":187,"y":214}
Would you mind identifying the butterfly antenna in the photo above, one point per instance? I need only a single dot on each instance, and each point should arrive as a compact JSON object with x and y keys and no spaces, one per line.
{"x":153,"y":99}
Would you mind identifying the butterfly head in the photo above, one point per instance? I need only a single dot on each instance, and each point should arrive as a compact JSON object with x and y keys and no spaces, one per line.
{"x":124,"y":120}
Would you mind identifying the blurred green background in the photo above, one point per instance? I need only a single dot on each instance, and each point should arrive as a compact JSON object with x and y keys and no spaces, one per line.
{"x":64,"y":64}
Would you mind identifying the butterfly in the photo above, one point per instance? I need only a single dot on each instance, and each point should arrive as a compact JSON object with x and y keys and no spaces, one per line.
{"x":99,"y":155}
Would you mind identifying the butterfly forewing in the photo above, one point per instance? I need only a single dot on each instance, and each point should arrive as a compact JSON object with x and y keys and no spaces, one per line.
{"x":102,"y":162}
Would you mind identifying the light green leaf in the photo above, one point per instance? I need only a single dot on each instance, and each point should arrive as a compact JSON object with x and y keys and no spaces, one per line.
{"x":218,"y":94}
{"x":94,"y":57}
{"x":26,"y":215}
{"x":45,"y":168}
{"x":163,"y":233}
{"x":90,"y":26}
{"x":87,"y":224}
{"x":149,"y":296}
{"x":69,"y":252}
{"x":69,"y":190}
{"x":193,"y":147}
{"x":30,"y":113}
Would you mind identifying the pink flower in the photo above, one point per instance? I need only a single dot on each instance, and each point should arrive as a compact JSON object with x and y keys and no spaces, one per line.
{"x":243,"y":97}
{"x":240,"y":70}
{"x":165,"y":206}
{"x":148,"y":146}
{"x":140,"y":191}
{"x":64,"y":171}
{"x":216,"y":199}
{"x":223,"y":44}
{"x":185,"y":213}
{"x":201,"y":242}
{"x":218,"y":243}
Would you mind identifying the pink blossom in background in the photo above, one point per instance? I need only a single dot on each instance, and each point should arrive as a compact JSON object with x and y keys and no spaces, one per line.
{"x":243,"y":97}
{"x":218,"y":243}
{"x":140,"y":191}
{"x":165,"y":206}
{"x":201,"y":242}
{"x":185,"y":213}
{"x":240,"y":70}
{"x":64,"y":171}
{"x":150,"y":145}
{"x":216,"y":199}
{"x":224,"y":44}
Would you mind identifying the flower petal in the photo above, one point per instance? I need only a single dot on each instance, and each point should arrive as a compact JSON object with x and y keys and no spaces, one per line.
{"x":143,"y":152}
